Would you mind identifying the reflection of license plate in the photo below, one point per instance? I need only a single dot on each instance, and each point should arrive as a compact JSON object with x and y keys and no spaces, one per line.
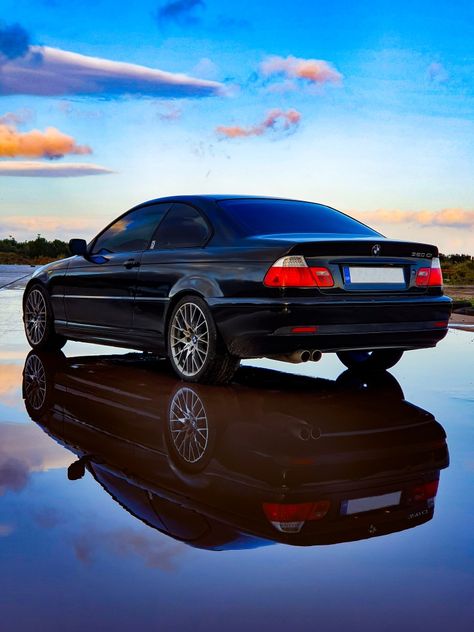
{"x":359,"y":274}
{"x":358,"y":505}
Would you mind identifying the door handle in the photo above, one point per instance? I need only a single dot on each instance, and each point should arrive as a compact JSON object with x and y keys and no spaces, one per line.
{"x":131,"y":263}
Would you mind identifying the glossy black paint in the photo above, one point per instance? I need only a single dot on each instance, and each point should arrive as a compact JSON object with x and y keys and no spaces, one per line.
{"x":272,"y":437}
{"x":125,"y":299}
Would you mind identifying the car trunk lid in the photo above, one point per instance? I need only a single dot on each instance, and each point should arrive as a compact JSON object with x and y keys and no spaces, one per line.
{"x":368,"y":265}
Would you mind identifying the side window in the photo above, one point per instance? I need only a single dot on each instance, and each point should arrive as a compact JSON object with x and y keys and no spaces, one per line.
{"x":131,"y":232}
{"x":183,"y":227}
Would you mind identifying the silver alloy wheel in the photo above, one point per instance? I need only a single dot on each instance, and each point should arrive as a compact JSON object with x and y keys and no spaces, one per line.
{"x":35,"y":382}
{"x":189,"y":339}
{"x":35,"y":317}
{"x":188,"y":425}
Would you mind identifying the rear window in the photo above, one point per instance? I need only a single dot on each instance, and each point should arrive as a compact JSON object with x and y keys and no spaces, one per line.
{"x":265,"y":217}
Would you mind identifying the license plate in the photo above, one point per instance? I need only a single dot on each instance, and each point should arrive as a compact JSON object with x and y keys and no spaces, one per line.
{"x":369,"y":503}
{"x":359,"y":274}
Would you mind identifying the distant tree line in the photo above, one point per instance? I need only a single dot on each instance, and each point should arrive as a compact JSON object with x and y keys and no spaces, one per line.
{"x":458,"y":269}
{"x":39,"y":250}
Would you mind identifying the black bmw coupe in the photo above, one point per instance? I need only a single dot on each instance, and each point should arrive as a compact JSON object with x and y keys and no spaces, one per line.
{"x":210,"y":279}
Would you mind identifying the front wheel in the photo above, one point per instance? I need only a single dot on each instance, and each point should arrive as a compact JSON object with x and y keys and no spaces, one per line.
{"x":38,"y":319}
{"x":196,"y":352}
{"x":377,"y":360}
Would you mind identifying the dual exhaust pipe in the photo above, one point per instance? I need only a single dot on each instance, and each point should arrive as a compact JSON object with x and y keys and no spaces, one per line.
{"x":301,"y":355}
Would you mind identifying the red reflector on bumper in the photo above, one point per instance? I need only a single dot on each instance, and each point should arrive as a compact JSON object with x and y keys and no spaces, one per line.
{"x":304,"y":330}
{"x":441,"y":323}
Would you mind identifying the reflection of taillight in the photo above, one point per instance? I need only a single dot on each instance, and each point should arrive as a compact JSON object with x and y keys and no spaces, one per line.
{"x":293,"y":271}
{"x":290,"y":517}
{"x":430,"y":276}
{"x":420,"y":493}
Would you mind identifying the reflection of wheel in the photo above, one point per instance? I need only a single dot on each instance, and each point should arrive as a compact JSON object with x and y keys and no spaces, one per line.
{"x":39,"y":321}
{"x":377,"y":385}
{"x":377,"y":360}
{"x":38,"y":378}
{"x":196,"y":353}
{"x":189,"y":436}
{"x":34,"y":381}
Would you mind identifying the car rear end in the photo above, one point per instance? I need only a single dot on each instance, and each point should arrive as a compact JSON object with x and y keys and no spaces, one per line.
{"x":338,"y":292}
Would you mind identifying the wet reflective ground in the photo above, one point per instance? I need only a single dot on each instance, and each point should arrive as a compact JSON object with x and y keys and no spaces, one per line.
{"x":130,"y":500}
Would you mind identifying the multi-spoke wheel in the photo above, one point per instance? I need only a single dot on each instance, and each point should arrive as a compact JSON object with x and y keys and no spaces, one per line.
{"x":34,"y":382}
{"x":188,"y":426}
{"x":38,"y":381}
{"x":194,"y":348}
{"x":377,"y":360}
{"x":38,"y":320}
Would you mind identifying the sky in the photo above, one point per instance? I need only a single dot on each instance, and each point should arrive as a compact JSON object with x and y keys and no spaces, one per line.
{"x":366,"y":106}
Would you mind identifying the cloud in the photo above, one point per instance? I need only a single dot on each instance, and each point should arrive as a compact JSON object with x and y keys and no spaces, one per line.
{"x":25,"y":449}
{"x":16,"y":118}
{"x":276,"y":120}
{"x":26,"y":227}
{"x":312,"y":71}
{"x":14,"y":41}
{"x":46,"y":71}
{"x":180,"y":12}
{"x":206,"y":68}
{"x":155,"y":550}
{"x":10,"y":378}
{"x":448,"y":217}
{"x":6,"y":529}
{"x":170,"y":112}
{"x":36,"y":144}
{"x":437,"y":73}
{"x":28,"y":169}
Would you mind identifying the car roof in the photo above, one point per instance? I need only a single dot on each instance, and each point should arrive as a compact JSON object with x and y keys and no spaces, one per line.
{"x":217,"y":197}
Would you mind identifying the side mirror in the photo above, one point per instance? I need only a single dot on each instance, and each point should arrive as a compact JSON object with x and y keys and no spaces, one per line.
{"x":78,"y":247}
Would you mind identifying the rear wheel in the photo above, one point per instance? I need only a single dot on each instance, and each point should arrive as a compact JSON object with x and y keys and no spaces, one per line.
{"x":38,"y":320}
{"x":196,"y":352}
{"x":377,"y":360}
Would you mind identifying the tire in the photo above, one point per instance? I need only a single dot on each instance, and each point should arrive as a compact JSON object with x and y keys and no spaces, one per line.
{"x":38,"y":320}
{"x":195,"y":351}
{"x":377,"y":360}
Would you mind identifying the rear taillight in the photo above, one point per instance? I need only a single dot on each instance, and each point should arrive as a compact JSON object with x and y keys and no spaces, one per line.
{"x":290,"y":517}
{"x":423,"y":493}
{"x":323,"y":277}
{"x":427,"y":277}
{"x":295,"y":272}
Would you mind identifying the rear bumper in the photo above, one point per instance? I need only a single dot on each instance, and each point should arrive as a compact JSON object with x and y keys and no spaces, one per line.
{"x":262,"y":327}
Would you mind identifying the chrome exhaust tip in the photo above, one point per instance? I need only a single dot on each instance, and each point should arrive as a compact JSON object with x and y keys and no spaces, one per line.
{"x":305,"y":355}
{"x":316,"y":355}
{"x":302,"y":355}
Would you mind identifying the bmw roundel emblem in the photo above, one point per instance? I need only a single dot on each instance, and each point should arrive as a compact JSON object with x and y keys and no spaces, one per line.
{"x":376,"y":250}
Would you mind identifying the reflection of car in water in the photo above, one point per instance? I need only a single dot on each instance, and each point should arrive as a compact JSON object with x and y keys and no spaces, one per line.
{"x":272,"y":457}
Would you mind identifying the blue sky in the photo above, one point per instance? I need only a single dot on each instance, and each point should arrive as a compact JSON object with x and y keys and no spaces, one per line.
{"x":366,"y":106}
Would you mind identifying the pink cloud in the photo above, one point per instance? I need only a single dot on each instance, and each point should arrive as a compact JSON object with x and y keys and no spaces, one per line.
{"x":16,"y":118}
{"x":314,"y":71}
{"x":48,"y":225}
{"x":276,"y":119}
{"x":448,"y":217}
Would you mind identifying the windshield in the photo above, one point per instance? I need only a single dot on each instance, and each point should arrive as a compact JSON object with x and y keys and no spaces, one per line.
{"x":266,"y":216}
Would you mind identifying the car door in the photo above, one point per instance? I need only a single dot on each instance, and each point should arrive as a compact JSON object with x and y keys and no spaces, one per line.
{"x":100,"y":288}
{"x":176,"y":250}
